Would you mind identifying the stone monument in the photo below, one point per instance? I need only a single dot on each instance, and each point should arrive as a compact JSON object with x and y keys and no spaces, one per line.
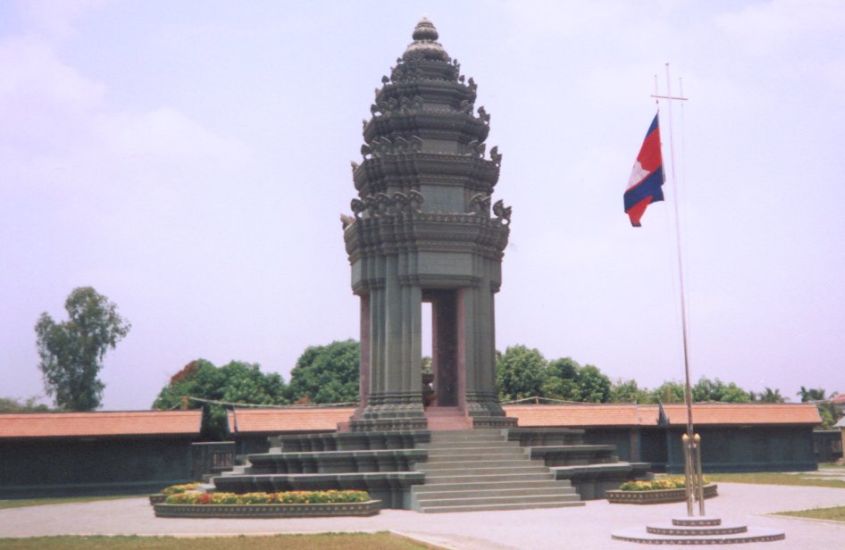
{"x":423,"y":231}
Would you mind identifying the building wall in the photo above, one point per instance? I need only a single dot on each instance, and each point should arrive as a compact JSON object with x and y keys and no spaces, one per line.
{"x":724,"y":449}
{"x":747,"y":449}
{"x":92,"y":466}
{"x":827,"y":445}
{"x":621,"y":437}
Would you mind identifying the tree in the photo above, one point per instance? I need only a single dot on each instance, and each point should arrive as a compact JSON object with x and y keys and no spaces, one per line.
{"x":31,"y":404}
{"x":668,"y":392}
{"x":768,"y":395}
{"x":327,"y":374}
{"x":561,"y":380}
{"x":235,"y":382}
{"x":811,"y":394}
{"x":520,"y":373}
{"x":627,"y":391}
{"x":71,"y":353}
{"x":716,"y":390}
{"x":593,"y":385}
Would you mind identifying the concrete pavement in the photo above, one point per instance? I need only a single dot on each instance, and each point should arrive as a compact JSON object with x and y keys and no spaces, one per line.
{"x":582,"y":527}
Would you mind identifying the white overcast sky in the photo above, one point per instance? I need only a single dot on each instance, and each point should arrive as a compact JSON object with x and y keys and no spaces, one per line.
{"x":190,"y":159}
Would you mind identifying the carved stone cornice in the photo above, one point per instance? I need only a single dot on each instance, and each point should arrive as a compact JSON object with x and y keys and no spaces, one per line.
{"x":384,"y":233}
{"x":455,"y":125}
{"x":410,"y":169}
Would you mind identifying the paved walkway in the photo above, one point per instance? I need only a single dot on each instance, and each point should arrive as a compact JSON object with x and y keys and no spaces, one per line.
{"x":579,"y":527}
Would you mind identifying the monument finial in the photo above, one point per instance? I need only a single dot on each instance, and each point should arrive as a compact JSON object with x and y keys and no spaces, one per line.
{"x":425,"y":30}
{"x":425,"y":44}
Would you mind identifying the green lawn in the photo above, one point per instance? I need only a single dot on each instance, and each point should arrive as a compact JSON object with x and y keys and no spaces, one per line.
{"x":777,"y":478}
{"x":837,"y":513}
{"x":18,"y":503}
{"x":330,"y":541}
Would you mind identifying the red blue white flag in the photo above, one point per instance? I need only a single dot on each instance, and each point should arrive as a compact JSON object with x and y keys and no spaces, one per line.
{"x":645,"y":185}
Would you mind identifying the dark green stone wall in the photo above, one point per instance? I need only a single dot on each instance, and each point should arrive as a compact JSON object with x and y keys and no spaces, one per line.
{"x":751,"y":449}
{"x":97,"y":466}
{"x":613,"y":436}
{"x":724,"y":449}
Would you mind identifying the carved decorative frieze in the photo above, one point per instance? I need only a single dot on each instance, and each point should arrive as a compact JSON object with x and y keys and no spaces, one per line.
{"x":381,"y":204}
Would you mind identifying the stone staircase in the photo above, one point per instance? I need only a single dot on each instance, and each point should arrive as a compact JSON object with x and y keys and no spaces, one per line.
{"x":474,"y":470}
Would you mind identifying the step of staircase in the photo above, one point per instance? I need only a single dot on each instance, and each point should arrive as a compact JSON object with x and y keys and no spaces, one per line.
{"x":476,"y":470}
{"x":446,"y":419}
{"x":468,"y":435}
{"x":485,"y":485}
{"x":450,"y":493}
{"x":439,"y":477}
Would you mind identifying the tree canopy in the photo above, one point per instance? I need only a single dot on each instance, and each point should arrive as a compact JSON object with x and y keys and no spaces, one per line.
{"x":520,"y":372}
{"x":31,"y":404}
{"x":235,"y":382}
{"x":327,"y":374}
{"x":71,"y":352}
{"x":716,"y":390}
{"x":523,"y":372}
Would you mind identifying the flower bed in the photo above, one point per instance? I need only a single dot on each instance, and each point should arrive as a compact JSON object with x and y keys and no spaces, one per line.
{"x":173,"y":490}
{"x":268,"y":505}
{"x":655,"y":491}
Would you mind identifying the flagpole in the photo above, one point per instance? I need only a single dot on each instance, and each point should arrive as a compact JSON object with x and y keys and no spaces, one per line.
{"x":690,"y":442}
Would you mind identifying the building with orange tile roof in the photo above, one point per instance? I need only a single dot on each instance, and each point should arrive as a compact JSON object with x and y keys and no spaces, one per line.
{"x":95,"y":452}
{"x":737,"y":436}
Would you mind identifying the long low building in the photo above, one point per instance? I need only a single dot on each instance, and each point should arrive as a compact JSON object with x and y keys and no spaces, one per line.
{"x":735,"y":436}
{"x":95,"y":452}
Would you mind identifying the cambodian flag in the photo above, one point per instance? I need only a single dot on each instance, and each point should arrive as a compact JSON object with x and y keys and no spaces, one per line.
{"x":646,"y":181}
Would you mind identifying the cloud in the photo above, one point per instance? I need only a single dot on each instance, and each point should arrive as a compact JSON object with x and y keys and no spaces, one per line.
{"x":57,"y":120}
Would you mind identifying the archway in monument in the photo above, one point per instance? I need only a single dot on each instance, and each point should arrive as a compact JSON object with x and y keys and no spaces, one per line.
{"x":444,"y":345}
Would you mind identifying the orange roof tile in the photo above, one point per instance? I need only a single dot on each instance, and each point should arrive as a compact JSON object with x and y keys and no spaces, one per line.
{"x":745,"y":413}
{"x":287,"y":420}
{"x":92,"y":424}
{"x":576,"y":415}
{"x":569,"y":415}
{"x":585,"y":415}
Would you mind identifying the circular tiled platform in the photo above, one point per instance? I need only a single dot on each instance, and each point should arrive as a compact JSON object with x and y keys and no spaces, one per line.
{"x":697,"y":531}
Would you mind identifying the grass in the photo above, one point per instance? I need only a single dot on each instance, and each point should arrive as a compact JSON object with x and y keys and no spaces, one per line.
{"x":19,"y":503}
{"x":837,"y":513}
{"x":777,"y":478}
{"x":329,"y":541}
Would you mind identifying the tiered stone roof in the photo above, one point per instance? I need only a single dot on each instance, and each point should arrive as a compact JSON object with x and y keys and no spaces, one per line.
{"x":425,"y":136}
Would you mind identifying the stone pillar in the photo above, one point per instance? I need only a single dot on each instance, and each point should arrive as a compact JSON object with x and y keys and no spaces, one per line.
{"x":393,"y":340}
{"x":444,"y":360}
{"x":364,"y":369}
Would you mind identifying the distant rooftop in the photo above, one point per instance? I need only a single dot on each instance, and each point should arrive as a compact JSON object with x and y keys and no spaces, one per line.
{"x":722,"y":414}
{"x":100,"y":424}
{"x":287,"y":420}
{"x":569,"y":415}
